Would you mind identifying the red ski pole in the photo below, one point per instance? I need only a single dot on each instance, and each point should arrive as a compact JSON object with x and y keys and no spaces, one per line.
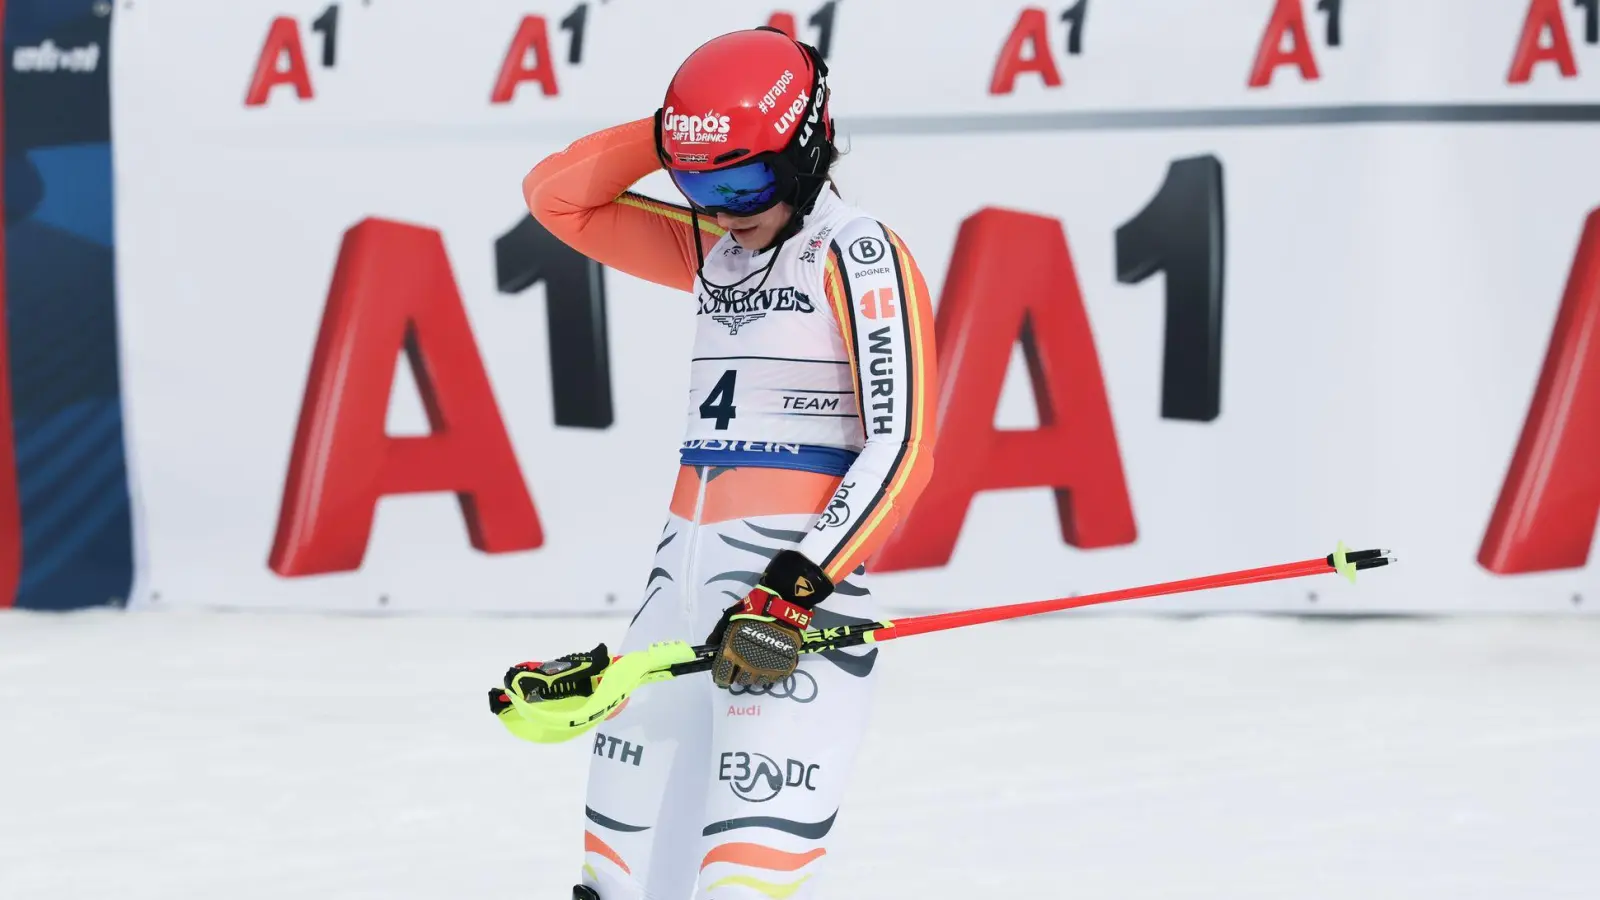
{"x":1343,"y":562}
{"x":546,"y":720}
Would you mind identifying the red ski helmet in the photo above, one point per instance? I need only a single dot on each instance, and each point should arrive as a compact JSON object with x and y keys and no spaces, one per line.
{"x":745,"y":123}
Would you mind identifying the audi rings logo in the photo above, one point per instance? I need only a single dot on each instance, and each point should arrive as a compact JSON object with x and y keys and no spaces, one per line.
{"x":800,"y":687}
{"x":757,"y":777}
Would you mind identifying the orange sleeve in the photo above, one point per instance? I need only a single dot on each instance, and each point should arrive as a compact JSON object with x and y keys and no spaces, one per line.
{"x":886,"y":322}
{"x":581,"y":195}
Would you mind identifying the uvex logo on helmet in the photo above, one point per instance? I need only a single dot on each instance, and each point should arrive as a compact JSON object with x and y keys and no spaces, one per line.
{"x":816,"y":110}
{"x":707,"y":129}
{"x":792,"y":114}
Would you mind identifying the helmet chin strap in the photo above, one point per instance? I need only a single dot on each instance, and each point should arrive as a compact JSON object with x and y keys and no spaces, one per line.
{"x":805,"y":199}
{"x":798,"y":211}
{"x":700,"y":268}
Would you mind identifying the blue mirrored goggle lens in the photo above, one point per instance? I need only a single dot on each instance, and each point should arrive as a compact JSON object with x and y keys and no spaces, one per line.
{"x":749,"y":188}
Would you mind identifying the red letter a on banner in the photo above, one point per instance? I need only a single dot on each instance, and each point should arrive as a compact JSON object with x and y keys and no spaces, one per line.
{"x":1545,"y":518}
{"x":1287,"y":18}
{"x":993,"y":295}
{"x":1033,"y":31}
{"x":393,"y":289}
{"x":531,"y":35}
{"x":283,"y":39}
{"x":1543,"y":16}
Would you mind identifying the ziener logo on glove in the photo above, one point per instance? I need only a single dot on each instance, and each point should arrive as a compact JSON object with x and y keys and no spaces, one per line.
{"x":763,"y":637}
{"x":755,"y":777}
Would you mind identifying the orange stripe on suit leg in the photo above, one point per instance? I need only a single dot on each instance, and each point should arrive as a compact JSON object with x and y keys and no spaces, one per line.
{"x":756,"y":856}
{"x":593,"y":844}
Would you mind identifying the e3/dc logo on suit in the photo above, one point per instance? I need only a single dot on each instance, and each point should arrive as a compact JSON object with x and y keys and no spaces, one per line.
{"x":867,"y":250}
{"x":755,"y":777}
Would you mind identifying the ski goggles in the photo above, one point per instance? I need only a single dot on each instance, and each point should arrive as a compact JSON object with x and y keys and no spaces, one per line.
{"x":743,"y":190}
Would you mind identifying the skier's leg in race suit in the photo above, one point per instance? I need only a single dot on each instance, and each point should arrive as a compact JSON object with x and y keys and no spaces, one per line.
{"x":738,"y":789}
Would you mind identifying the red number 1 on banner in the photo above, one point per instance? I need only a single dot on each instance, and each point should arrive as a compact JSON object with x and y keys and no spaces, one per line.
{"x":1180,"y":232}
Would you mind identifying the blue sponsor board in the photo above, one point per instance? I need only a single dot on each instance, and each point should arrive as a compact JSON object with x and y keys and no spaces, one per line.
{"x":60,"y":306}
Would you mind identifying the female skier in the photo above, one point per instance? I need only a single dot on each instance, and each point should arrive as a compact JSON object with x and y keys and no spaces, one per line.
{"x":810,"y":429}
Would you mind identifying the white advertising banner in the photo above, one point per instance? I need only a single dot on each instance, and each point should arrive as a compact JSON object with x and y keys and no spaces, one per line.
{"x":1332,"y":267}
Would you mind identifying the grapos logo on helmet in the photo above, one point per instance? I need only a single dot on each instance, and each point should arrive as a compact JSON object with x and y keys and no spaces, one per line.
{"x":707,"y":129}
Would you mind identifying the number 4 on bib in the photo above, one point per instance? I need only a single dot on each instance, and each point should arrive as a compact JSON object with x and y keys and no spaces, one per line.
{"x":719,"y":403}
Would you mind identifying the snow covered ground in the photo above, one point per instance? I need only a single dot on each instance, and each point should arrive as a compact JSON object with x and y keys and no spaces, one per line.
{"x":232,"y":756}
